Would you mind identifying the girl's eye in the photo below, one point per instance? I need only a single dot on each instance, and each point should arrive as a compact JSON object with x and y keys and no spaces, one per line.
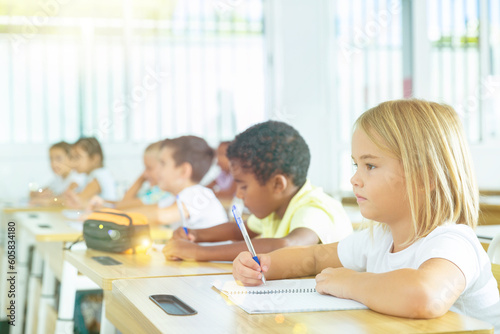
{"x":370,"y":167}
{"x":355,"y":165}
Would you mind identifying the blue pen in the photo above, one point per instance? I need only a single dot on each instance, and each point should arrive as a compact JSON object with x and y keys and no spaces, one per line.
{"x":181,"y":211}
{"x":243,"y":230}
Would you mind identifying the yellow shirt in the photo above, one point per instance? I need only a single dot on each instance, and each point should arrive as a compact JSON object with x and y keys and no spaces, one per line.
{"x":310,"y":208}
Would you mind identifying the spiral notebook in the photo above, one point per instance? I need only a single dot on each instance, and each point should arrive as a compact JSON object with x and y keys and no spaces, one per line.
{"x":283,"y":296}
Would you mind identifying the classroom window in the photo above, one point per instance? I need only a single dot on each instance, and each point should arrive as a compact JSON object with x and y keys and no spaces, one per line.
{"x":130,"y":71}
{"x":369,"y":67}
{"x":464,"y":37}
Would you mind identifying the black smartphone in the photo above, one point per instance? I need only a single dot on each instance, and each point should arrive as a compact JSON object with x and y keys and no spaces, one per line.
{"x":172,"y":305}
{"x":106,"y":260}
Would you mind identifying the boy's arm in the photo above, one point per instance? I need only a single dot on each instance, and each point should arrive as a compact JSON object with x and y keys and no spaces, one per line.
{"x":150,"y":211}
{"x":128,"y":203}
{"x":72,"y":186}
{"x":131,"y":193}
{"x":181,"y":249}
{"x":426,"y":292}
{"x":221,"y":232}
{"x":80,"y":200}
{"x":169,"y":215}
{"x":92,"y":189}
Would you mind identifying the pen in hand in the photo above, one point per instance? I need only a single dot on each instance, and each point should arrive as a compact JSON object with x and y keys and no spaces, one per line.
{"x":181,"y":211}
{"x":243,"y":230}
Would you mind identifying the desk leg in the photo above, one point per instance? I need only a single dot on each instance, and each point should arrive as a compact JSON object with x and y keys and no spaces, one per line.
{"x":35,"y":275}
{"x":106,"y":325}
{"x":47,"y":297}
{"x":70,"y":282}
{"x":23,"y":242}
{"x":67,"y":293}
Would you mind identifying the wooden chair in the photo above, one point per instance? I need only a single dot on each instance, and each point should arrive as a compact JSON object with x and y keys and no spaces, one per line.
{"x":494,"y":255}
{"x":495,"y":268}
{"x":494,"y":250}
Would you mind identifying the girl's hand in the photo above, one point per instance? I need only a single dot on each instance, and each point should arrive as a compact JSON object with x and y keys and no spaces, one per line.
{"x":336,"y":282}
{"x":179,"y":233}
{"x":247,"y":271}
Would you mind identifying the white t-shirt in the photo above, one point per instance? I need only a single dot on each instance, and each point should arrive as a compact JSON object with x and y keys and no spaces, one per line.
{"x":204,"y":208}
{"x":106,"y":182}
{"x":363,"y":251}
{"x":58,"y":185}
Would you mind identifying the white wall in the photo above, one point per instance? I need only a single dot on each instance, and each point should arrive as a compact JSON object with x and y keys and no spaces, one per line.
{"x":487,"y":165}
{"x":299,"y":32}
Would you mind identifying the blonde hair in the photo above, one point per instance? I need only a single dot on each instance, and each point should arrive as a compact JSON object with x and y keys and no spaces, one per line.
{"x":428,"y":139}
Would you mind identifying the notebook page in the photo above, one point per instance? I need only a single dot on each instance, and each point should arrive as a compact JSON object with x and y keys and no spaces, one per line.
{"x":231,"y":287}
{"x":284,"y":296}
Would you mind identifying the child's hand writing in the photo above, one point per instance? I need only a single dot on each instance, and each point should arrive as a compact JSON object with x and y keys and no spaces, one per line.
{"x":336,"y":282}
{"x":180,"y":234}
{"x":247,"y":271}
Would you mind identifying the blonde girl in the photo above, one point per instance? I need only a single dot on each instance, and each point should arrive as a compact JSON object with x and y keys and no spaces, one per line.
{"x":414,"y":176}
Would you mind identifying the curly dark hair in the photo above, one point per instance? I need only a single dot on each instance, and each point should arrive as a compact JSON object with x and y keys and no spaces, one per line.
{"x":193,"y":150}
{"x":271,"y":147}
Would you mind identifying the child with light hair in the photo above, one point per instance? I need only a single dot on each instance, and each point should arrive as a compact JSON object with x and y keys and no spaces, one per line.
{"x":415,"y":178}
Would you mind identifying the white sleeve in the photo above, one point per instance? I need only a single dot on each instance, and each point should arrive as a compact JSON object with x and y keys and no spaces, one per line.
{"x":352,"y":251}
{"x":78,"y":178}
{"x":454,"y":246}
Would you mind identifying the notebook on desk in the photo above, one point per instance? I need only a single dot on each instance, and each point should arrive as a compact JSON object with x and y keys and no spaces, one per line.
{"x":283,"y":296}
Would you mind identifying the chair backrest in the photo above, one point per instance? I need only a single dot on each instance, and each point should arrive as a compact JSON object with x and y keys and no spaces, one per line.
{"x":494,"y":250}
{"x":495,"y":268}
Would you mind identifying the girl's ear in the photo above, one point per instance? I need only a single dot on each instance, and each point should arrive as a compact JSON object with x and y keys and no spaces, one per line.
{"x":279,"y":182}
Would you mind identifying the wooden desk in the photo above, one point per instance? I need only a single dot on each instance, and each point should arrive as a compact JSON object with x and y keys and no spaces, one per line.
{"x":14,"y":209}
{"x":133,"y":266}
{"x":138,"y":266}
{"x":489,"y":214}
{"x":48,"y":226}
{"x":129,"y":308}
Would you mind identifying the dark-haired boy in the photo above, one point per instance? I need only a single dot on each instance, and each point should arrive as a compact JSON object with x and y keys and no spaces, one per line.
{"x":269,"y":162}
{"x":184,"y":161}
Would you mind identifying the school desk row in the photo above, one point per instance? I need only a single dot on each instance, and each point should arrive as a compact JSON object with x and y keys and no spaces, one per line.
{"x":126,"y":289}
